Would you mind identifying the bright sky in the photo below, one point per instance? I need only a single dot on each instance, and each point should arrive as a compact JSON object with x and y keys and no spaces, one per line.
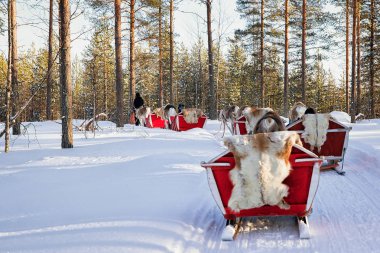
{"x":185,"y":25}
{"x":189,"y":22}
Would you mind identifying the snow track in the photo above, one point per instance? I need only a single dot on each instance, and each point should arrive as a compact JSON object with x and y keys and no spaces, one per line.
{"x":143,"y":190}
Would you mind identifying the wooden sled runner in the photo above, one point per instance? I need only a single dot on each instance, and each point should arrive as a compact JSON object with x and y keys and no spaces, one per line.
{"x":178,"y":123}
{"x":302,"y":182}
{"x":153,"y":121}
{"x":335,"y":146}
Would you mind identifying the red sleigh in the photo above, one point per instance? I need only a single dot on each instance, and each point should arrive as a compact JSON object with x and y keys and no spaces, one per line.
{"x":239,"y":126}
{"x":302,"y":181}
{"x":153,"y":121}
{"x":335,"y":146}
{"x":178,"y":123}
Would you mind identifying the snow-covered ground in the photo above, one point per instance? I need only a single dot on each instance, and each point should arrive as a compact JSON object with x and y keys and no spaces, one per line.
{"x":143,"y":190}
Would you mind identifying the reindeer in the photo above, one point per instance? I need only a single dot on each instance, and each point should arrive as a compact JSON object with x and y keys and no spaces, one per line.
{"x":227,"y":116}
{"x":253,"y":115}
{"x":270,"y":122}
{"x":142,"y":113}
{"x":297,"y":111}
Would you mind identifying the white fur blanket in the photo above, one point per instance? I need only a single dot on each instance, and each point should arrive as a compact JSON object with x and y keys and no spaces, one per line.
{"x":316,"y":126}
{"x":191,"y":115}
{"x":261,"y":165}
{"x":165,"y":112}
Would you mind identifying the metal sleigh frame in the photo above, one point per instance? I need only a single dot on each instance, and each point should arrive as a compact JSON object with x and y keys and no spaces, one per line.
{"x":303,"y":183}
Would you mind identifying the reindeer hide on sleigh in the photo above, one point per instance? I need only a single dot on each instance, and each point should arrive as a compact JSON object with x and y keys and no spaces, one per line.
{"x":316,"y":126}
{"x":191,"y":115}
{"x":262,"y":164}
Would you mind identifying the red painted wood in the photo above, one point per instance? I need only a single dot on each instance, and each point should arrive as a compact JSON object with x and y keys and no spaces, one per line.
{"x":184,"y":126}
{"x":239,"y":126}
{"x":334,"y":143}
{"x":157,"y":122}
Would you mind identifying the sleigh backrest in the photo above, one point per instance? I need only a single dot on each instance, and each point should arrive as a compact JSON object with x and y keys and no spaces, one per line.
{"x":179,"y":123}
{"x":153,"y":121}
{"x":336,"y":139}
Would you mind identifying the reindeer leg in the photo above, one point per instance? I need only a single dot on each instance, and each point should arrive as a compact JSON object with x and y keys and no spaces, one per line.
{"x":229,"y":128}
{"x":224,"y":129}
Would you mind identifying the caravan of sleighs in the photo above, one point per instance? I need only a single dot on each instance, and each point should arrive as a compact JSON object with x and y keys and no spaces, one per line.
{"x":269,"y":158}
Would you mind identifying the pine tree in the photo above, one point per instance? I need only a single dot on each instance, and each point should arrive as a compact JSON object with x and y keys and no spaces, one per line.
{"x":236,"y":60}
{"x":358,"y":60}
{"x":171,"y":76}
{"x":16,"y":130}
{"x":65,"y":74}
{"x":49,"y":81}
{"x":118,"y":67}
{"x":132,"y":81}
{"x":371,"y":56}
{"x":347,"y":12}
{"x":303,"y":52}
{"x":353,"y":60}
{"x":9,"y":82}
{"x":99,"y":71}
{"x":286,"y":59}
{"x":160,"y":70}
{"x":212,"y":96}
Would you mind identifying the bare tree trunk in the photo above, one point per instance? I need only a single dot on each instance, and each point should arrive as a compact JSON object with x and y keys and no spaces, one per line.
{"x":262,"y":85}
{"x":371,"y":61}
{"x":94,"y":81}
{"x":105,"y":90}
{"x":286,"y":61}
{"x":200,"y":78}
{"x":358,"y":75}
{"x":160,"y":78}
{"x":347,"y":55}
{"x":9,"y":83}
{"x":118,"y":67}
{"x":15,"y":86}
{"x":171,"y":75}
{"x":212,"y":101}
{"x":218,"y":57}
{"x":49,"y":83}
{"x":353,"y":66}
{"x":303,"y":65}
{"x":65,"y":74}
{"x":132,"y":81}
{"x":217,"y":77}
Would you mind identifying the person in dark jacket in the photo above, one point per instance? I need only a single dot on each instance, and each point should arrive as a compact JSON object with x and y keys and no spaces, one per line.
{"x":180,"y":107}
{"x":137,"y":103}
